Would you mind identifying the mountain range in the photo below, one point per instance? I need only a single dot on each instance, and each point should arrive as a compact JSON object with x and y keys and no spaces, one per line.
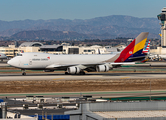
{"x":96,"y":28}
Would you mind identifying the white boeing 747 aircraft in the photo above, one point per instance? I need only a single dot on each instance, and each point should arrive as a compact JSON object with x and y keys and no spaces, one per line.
{"x":77,"y":64}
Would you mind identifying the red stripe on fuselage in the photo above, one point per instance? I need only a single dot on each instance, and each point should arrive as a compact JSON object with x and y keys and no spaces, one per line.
{"x":126,"y":53}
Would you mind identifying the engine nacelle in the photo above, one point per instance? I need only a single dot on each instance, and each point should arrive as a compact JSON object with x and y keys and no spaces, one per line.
{"x":73,"y":70}
{"x":48,"y":70}
{"x":102,"y":68}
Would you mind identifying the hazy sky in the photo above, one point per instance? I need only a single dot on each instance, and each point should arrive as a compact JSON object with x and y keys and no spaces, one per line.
{"x":77,"y":9}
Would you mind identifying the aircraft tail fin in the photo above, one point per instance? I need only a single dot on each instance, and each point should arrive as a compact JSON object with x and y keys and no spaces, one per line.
{"x":133,"y":51}
{"x":146,"y":49}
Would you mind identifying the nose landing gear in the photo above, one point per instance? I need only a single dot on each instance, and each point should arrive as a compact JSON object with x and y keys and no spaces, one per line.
{"x":23,"y":72}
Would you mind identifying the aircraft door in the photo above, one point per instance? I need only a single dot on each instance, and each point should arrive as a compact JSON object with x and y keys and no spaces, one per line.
{"x":30,"y":62}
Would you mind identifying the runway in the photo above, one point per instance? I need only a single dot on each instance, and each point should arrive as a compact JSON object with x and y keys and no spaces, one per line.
{"x":88,"y":76}
{"x":151,"y":70}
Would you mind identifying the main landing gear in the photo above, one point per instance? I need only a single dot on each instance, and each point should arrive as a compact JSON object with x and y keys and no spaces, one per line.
{"x":23,"y":72}
{"x":80,"y":73}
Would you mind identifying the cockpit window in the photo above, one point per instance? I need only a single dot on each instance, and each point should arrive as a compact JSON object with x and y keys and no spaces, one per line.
{"x":19,"y":54}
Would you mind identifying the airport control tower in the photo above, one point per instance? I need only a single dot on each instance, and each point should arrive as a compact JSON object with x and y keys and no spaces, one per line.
{"x":162,"y":17}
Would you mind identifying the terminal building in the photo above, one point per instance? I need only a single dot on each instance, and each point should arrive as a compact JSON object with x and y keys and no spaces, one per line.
{"x":12,"y":50}
{"x":65,"y":49}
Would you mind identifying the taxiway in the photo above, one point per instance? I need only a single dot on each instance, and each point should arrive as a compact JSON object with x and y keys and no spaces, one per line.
{"x":88,"y":76}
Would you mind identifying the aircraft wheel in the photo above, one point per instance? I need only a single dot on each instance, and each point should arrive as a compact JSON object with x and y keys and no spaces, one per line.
{"x":66,"y":73}
{"x":23,"y":73}
{"x":82,"y":73}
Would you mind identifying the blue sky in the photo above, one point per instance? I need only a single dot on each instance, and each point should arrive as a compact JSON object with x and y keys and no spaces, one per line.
{"x":77,"y":9}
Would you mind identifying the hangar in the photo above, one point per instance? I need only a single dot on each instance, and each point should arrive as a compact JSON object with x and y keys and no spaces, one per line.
{"x":31,"y":44}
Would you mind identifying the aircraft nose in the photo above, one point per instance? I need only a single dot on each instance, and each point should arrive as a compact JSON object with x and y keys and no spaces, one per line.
{"x":13,"y":62}
{"x":10,"y":62}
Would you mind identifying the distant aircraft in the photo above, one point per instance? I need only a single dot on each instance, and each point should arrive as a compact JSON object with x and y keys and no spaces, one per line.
{"x":146,"y":49}
{"x":77,"y":64}
{"x":151,"y":56}
{"x":163,"y":56}
{"x":146,"y":52}
{"x":2,"y":56}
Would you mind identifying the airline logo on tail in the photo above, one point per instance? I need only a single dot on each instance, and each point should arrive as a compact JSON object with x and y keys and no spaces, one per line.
{"x":134,"y":50}
{"x":146,"y":49}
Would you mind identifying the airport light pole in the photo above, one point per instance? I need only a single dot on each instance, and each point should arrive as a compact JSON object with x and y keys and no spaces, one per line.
{"x":150,"y":90}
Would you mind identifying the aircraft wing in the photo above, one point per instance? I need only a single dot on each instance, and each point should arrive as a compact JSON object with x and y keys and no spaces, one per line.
{"x":87,"y":67}
{"x":64,"y":67}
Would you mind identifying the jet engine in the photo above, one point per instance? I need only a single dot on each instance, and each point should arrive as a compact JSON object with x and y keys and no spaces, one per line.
{"x":102,"y":68}
{"x":73,"y":70}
